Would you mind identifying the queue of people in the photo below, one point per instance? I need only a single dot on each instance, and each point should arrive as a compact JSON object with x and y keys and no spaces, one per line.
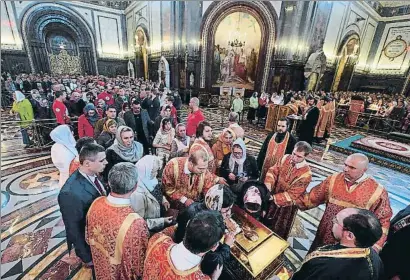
{"x":117,"y":162}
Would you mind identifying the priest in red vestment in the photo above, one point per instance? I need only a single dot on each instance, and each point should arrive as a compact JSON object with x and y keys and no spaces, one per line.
{"x":203,"y":138}
{"x":350,"y":188}
{"x":167,"y":260}
{"x":287,"y":180}
{"x":276,"y":145}
{"x":118,"y":236}
{"x":326,"y":118}
{"x":356,"y":107}
{"x":185,"y":179}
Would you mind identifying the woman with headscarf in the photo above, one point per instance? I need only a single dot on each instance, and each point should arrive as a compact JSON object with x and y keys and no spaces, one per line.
{"x":223,"y":146}
{"x":237,"y":167}
{"x":87,"y":121}
{"x":107,"y":136}
{"x":163,"y":139}
{"x":63,"y":151}
{"x":24,"y":110}
{"x":180,"y":144}
{"x":124,"y":149}
{"x":147,"y":200}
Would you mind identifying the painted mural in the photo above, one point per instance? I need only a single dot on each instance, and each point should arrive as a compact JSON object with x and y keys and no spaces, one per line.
{"x":395,"y":49}
{"x":236,"y":51}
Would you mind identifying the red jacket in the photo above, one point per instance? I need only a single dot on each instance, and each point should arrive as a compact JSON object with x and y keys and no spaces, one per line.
{"x":108,"y":98}
{"x":61,"y":112}
{"x":193,"y":121}
{"x":84,"y":127}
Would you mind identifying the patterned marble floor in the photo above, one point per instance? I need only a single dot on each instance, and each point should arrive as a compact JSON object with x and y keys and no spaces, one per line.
{"x":32,"y":232}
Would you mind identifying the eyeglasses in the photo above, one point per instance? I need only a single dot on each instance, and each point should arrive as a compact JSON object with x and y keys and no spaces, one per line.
{"x":238,"y":153}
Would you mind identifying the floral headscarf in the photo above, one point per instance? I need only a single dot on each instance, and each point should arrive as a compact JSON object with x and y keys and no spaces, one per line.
{"x":108,"y":123}
{"x":214,"y":198}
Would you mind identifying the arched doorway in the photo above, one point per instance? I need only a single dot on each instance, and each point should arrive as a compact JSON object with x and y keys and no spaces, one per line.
{"x":346,"y":61}
{"x":261,"y":17}
{"x":163,"y":71}
{"x":50,"y":29}
{"x":141,"y":43}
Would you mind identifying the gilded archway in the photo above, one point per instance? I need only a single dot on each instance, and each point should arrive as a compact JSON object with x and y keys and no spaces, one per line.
{"x":141,"y":43}
{"x":346,"y":61}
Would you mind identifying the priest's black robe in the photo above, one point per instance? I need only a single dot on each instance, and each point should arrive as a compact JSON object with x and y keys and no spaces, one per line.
{"x":341,"y":263}
{"x":307,"y":127}
{"x":396,"y":252}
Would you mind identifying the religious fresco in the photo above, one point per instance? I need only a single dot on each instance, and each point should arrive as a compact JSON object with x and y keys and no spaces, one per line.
{"x":236,"y":51}
{"x":141,"y":43}
{"x":347,"y":59}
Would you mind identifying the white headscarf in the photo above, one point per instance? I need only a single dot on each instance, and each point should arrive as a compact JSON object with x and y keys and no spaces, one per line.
{"x":144,"y":168}
{"x":62,"y":135}
{"x":19,"y":96}
{"x":233,"y":160}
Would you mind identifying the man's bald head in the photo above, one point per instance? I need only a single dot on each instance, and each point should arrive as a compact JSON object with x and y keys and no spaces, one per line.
{"x":355,"y":166}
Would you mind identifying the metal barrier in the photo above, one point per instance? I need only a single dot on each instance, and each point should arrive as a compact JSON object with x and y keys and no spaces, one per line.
{"x":38,"y":131}
{"x":368,"y":122}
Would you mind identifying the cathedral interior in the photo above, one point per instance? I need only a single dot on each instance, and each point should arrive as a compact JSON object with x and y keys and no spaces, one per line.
{"x":210,"y":50}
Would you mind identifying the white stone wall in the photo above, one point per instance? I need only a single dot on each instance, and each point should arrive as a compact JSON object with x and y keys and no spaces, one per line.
{"x":347,"y":17}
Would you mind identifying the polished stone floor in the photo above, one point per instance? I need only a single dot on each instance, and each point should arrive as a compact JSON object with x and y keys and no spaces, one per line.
{"x":32,"y":232}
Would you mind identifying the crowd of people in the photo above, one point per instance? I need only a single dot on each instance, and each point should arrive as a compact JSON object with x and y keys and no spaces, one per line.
{"x":145,"y":195}
{"x":383,"y":108}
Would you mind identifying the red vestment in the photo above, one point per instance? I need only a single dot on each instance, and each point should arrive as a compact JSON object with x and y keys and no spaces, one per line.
{"x":274,"y":154}
{"x":74,"y":165}
{"x":199,"y":144}
{"x":287,"y":183}
{"x":219,"y":150}
{"x":118,"y":238}
{"x":364,"y":194}
{"x":326,"y":119}
{"x":177,"y":183}
{"x":158,"y":264}
{"x":356,"y":107}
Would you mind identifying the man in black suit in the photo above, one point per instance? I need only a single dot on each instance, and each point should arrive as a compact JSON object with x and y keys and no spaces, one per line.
{"x":310,"y":119}
{"x":76,"y":196}
{"x":138,"y":119}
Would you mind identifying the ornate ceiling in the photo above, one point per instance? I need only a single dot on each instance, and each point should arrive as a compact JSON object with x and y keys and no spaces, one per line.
{"x":390,"y":8}
{"x":394,"y":3}
{"x":119,"y":5}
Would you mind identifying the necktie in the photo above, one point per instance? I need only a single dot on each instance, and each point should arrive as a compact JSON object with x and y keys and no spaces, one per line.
{"x":97,"y":184}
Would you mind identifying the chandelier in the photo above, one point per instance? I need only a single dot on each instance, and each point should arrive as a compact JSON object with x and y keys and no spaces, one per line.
{"x":236,"y":43}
